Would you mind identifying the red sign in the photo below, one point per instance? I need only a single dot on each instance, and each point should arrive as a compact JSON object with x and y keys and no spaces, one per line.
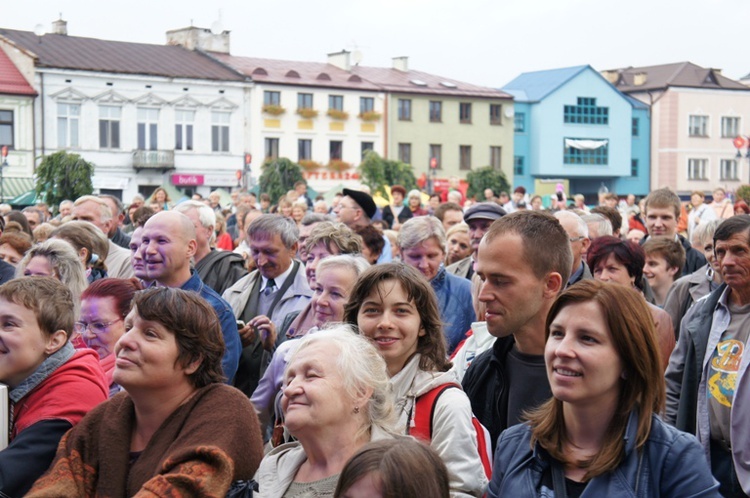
{"x":433,"y":163}
{"x":238,"y":174}
{"x":187,"y":180}
{"x":5,"y":151}
{"x":248,"y":159}
{"x":739,"y":142}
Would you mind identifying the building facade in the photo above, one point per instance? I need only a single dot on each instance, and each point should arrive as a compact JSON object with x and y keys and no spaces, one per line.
{"x":696,"y":113}
{"x":574,"y":127}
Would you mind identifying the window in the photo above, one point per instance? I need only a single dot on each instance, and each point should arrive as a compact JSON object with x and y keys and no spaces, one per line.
{"x":6,"y":128}
{"x":271,"y":98}
{"x":404,"y":153}
{"x":272,"y":148}
{"x":730,"y":127}
{"x":304,"y":101}
{"x":518,"y":165}
{"x":366,"y":104}
{"x":519,"y":122}
{"x":464,"y":113}
{"x":436,"y":152}
{"x":109,"y":127}
{"x":148,"y":120}
{"x":404,"y":109}
{"x":336,"y":148}
{"x":698,"y":126}
{"x":697,"y":169}
{"x":183,"y":129}
{"x":634,"y":167}
{"x":729,"y":169}
{"x":586,"y":112}
{"x":464,"y":155}
{"x":585,"y":151}
{"x":68,"y":119}
{"x":304,"y":149}
{"x":336,"y":102}
{"x":634,"y":127}
{"x":496,"y":153}
{"x":366,"y":147}
{"x":436,"y":111}
{"x":220,"y":131}
{"x":496,"y":114}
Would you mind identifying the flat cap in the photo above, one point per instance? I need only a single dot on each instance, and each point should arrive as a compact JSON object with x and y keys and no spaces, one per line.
{"x":364,"y":200}
{"x":484,"y":211}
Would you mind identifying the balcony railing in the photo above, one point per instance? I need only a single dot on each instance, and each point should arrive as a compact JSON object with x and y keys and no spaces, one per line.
{"x":153,"y":159}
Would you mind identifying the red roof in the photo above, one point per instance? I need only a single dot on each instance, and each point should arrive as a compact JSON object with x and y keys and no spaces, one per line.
{"x":12,"y":81}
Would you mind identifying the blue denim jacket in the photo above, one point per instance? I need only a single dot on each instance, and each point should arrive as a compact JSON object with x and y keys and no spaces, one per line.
{"x":455,"y":304}
{"x":672,"y":465}
{"x":228,"y":323}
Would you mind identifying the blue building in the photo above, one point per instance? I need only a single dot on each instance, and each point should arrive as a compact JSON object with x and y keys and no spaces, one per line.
{"x":572,"y":125}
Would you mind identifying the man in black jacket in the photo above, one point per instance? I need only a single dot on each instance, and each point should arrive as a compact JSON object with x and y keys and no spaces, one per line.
{"x":524,"y":262}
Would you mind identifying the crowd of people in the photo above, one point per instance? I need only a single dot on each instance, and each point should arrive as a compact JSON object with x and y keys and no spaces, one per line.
{"x":508,"y":346}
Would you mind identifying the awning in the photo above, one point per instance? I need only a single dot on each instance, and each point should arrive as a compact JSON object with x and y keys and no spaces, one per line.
{"x":571,"y":143}
{"x":16,"y":188}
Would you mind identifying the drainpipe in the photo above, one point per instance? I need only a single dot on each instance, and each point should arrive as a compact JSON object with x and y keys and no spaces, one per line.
{"x":41,"y":75}
{"x":385,"y":127}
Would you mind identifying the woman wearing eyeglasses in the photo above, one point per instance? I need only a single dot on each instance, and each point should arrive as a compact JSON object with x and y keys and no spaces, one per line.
{"x":104,"y":306}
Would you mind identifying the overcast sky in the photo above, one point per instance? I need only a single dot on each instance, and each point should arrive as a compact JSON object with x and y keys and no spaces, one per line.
{"x":485,"y":42}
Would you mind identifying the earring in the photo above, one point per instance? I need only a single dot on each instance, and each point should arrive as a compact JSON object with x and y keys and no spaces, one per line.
{"x":356,"y":409}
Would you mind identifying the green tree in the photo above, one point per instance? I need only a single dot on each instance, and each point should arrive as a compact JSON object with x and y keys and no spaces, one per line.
{"x":743,"y":193}
{"x":63,"y":176}
{"x":378,"y":173}
{"x":278,"y":176}
{"x":484,"y":178}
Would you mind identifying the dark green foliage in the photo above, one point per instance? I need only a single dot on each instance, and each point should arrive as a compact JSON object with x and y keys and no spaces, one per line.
{"x":62,"y":176}
{"x":484,"y":178}
{"x":378,"y":173}
{"x":743,"y":193}
{"x":278,"y":177}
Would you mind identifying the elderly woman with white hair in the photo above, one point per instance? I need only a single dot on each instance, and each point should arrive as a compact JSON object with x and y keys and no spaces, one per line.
{"x":336,"y":399}
{"x":422,"y":243}
{"x":414,"y":200}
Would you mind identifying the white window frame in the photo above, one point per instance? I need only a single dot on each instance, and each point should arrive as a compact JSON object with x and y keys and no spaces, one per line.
{"x":220,"y":130}
{"x":68,"y":125}
{"x":730,"y":126}
{"x":699,"y":166}
{"x":148,"y":128}
{"x":734,"y":170}
{"x":698,"y":125}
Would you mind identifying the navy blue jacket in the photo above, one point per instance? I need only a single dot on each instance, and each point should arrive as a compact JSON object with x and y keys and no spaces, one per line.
{"x":455,"y":304}
{"x":671,"y":464}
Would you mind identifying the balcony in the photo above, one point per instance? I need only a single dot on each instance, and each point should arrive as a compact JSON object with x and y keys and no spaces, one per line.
{"x":161,"y":160}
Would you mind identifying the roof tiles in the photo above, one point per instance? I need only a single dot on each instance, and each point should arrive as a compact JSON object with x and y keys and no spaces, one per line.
{"x":12,"y":81}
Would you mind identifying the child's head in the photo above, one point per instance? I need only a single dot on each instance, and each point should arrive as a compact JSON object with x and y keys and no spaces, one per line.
{"x":374,"y":284}
{"x":664,"y":256}
{"x":391,"y":468}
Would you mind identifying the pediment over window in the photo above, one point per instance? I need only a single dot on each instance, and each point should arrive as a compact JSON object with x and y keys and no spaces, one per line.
{"x":150,"y":100}
{"x":259,"y":71}
{"x":292,"y":74}
{"x":69,"y":95}
{"x":223,"y":104}
{"x":187,"y":101}
{"x":110,"y":97}
{"x":323,"y":77}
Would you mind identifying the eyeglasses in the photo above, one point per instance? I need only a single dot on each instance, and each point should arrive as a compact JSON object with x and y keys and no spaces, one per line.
{"x":95,"y":327}
{"x":576,"y":239}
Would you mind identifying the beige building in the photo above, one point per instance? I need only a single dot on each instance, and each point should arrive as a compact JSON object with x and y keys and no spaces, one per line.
{"x":695,"y":115}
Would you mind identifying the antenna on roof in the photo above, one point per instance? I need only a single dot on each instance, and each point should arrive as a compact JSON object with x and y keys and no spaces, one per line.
{"x":39,"y":30}
{"x":217,"y":27}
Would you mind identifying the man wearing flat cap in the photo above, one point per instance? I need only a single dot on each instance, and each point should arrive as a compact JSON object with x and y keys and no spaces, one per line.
{"x":479,"y":217}
{"x":356,"y":210}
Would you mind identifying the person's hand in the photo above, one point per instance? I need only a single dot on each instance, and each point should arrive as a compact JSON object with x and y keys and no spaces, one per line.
{"x":267,"y":330}
{"x":247,"y":335}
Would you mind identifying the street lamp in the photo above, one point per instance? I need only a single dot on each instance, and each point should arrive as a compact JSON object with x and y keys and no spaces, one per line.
{"x":4,"y":165}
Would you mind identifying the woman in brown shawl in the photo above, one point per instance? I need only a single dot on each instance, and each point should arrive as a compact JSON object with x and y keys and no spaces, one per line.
{"x":177,"y":430}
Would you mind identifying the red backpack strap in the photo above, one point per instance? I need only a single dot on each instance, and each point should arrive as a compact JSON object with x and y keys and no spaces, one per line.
{"x":424,"y":409}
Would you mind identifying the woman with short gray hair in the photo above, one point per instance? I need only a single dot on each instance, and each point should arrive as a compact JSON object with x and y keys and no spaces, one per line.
{"x":421,"y":242}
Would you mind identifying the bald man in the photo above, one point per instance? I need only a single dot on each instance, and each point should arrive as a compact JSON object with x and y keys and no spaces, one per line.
{"x":168,"y":242}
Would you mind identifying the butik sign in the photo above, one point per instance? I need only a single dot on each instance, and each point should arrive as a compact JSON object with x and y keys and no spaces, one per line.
{"x":179,"y":180}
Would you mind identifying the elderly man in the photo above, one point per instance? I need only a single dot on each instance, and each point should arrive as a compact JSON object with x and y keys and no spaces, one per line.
{"x":115,"y":234}
{"x":95,"y":210}
{"x":708,"y":388}
{"x":34,"y":216}
{"x":578,"y":236}
{"x":479,"y":217}
{"x":168,"y":243}
{"x":262,"y":299}
{"x":64,"y":209}
{"x":217,"y":269}
{"x":356,"y":210}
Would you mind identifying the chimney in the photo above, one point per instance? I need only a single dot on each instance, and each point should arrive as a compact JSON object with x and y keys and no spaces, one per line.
{"x":193,"y":38}
{"x":60,"y":27}
{"x":341,"y":60}
{"x":611,"y":75}
{"x":639,"y":79}
{"x":401,"y":63}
